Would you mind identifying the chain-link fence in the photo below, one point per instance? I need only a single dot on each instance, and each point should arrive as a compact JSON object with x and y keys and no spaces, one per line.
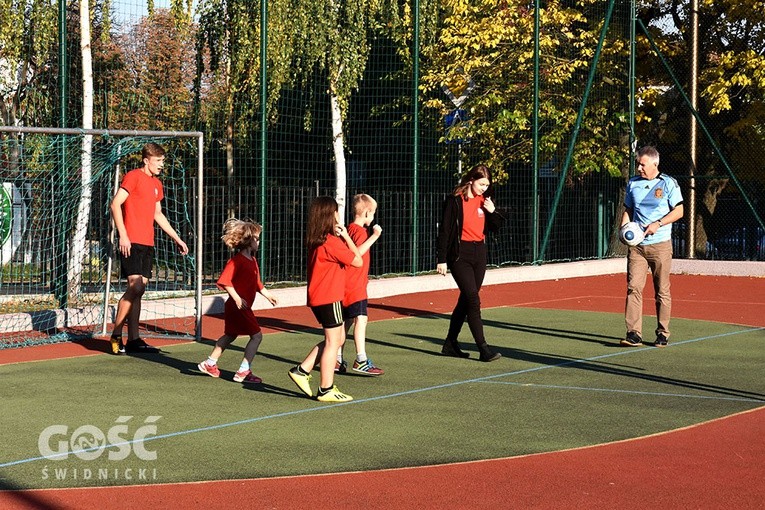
{"x":555,"y":123}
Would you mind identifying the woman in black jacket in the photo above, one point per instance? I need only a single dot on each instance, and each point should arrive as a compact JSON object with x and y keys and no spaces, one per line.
{"x":467,"y":216}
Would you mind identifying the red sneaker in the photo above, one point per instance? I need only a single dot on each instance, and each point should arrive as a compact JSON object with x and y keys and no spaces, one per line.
{"x":247,"y":377}
{"x":211,"y":370}
{"x":367,"y":368}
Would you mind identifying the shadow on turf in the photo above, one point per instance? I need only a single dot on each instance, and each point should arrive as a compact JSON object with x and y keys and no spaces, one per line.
{"x":191,"y":369}
{"x":408,"y":311}
{"x":553,"y":360}
{"x":540,"y":358}
{"x":27,"y":498}
{"x":606,"y":340}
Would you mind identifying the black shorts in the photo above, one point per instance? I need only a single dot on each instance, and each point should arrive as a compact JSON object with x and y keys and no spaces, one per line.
{"x":329,"y":316}
{"x":139,"y":261}
{"x":355,"y":309}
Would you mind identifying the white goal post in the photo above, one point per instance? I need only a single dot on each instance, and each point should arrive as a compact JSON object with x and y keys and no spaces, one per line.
{"x":73,"y":307}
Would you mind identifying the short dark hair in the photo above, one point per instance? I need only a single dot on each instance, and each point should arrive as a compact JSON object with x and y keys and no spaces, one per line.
{"x":152,"y":149}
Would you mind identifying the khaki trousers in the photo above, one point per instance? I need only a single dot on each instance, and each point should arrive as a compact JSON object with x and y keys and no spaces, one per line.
{"x":657,"y":257}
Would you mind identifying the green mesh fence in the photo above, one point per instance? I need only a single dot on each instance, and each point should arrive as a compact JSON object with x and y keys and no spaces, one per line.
{"x":59,"y":277}
{"x":424,"y":90}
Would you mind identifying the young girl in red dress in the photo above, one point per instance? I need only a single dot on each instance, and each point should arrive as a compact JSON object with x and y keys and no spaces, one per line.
{"x":330,"y":251}
{"x":241,"y":280}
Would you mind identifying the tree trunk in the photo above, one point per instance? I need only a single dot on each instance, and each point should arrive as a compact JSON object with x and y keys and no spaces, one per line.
{"x":230,"y":143}
{"x":704,"y":216}
{"x":339,"y":151}
{"x":338,"y":146}
{"x":77,"y":250}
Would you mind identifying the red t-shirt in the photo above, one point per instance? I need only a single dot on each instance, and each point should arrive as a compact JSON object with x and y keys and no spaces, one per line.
{"x":326,"y":271}
{"x":473,"y":219}
{"x":138,"y":210}
{"x":356,"y":278}
{"x":244,"y":275}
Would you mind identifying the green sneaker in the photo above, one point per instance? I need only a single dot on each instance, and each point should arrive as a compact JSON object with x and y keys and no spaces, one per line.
{"x":303,"y":381}
{"x":333,"y":395}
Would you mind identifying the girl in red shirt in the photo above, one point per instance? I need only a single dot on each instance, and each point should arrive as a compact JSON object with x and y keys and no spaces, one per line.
{"x":467,"y":216}
{"x":241,"y":280}
{"x":330,"y":251}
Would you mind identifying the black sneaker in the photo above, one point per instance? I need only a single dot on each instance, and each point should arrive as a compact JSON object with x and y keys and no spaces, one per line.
{"x":453,"y":349}
{"x":487,"y":354}
{"x":139,"y":346}
{"x":632,"y":340}
{"x":341,"y":367}
{"x":661,"y":341}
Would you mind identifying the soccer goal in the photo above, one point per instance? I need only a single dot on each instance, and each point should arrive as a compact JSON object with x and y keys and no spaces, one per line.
{"x":60,"y":276}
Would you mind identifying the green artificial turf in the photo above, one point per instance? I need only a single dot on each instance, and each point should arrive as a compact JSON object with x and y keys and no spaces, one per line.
{"x":563,"y":382}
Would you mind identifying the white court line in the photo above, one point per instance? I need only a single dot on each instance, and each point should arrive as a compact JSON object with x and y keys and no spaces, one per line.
{"x":630,"y":392}
{"x":372,"y":399}
{"x":621,"y":298}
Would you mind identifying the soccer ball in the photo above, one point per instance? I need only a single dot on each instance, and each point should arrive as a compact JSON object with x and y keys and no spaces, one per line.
{"x":631,"y":234}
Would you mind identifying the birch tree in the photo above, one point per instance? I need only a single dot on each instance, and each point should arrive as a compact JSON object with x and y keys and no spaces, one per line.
{"x":334,"y":39}
{"x":78,"y":249}
{"x":228,"y":67}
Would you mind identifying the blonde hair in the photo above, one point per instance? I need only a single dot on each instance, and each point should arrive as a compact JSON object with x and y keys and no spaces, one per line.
{"x":238,"y":234}
{"x":363,"y":202}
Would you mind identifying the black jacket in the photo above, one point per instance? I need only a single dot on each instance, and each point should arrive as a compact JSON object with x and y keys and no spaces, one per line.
{"x":450,"y":229}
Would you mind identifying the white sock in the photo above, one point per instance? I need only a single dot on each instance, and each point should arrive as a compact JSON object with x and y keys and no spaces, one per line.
{"x":245,"y":366}
{"x":211,"y":361}
{"x":361,"y":357}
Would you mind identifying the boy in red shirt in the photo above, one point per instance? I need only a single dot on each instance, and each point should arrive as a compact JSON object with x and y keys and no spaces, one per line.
{"x":135,"y":208}
{"x":355,"y":302}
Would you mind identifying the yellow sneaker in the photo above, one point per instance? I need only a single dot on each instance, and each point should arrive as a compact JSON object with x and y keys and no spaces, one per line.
{"x":303,"y":381}
{"x":117,"y":346}
{"x":333,"y":395}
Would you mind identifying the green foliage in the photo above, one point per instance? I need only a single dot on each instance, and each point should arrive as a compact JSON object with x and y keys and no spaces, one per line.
{"x":228,"y":61}
{"x":153,"y":64}
{"x":28,"y":32}
{"x":332,"y":38}
{"x":491,"y":41}
{"x":731,"y":78}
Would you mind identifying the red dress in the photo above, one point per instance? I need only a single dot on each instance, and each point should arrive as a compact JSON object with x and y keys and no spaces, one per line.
{"x":243,"y":274}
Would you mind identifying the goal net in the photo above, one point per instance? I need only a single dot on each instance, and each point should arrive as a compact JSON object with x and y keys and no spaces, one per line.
{"x":60,"y":278}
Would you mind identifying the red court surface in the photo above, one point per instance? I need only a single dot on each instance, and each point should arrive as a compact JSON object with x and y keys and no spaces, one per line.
{"x":718,"y":464}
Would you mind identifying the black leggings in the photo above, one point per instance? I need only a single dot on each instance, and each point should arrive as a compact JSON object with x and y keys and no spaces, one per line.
{"x":468,"y":271}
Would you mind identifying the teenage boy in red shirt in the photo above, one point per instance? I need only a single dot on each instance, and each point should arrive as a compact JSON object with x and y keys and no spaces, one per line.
{"x":136,"y":206}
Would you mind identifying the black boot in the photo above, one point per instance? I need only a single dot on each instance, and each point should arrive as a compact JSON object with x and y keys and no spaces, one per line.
{"x":452,"y":348}
{"x":487,"y":354}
